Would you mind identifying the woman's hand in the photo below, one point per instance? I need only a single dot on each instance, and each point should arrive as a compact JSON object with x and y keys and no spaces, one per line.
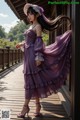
{"x":38,"y":62}
{"x":20,"y":45}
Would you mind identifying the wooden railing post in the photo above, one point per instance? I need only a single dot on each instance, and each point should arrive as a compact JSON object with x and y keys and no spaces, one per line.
{"x":3,"y":59}
{"x":8,"y":65}
{"x":19,"y":55}
{"x":12,"y":58}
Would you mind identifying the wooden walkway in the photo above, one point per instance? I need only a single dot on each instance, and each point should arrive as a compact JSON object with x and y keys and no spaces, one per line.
{"x":12,"y":97}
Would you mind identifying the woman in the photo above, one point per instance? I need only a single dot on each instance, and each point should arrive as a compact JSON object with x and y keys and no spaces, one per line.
{"x":45,"y":67}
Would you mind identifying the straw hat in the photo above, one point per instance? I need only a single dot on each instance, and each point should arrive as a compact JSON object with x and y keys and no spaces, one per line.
{"x":37,"y":8}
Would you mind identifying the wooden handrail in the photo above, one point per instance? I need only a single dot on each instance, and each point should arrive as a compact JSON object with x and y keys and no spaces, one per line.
{"x":9,"y":57}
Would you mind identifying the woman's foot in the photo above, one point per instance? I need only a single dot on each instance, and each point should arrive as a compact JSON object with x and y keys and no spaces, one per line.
{"x":24,"y":111}
{"x":38,"y":108}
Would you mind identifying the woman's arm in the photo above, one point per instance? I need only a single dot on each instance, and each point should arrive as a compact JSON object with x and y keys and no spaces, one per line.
{"x":38,"y":46}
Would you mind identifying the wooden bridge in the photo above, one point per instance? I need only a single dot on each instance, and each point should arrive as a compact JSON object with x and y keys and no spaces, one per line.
{"x":12,"y":97}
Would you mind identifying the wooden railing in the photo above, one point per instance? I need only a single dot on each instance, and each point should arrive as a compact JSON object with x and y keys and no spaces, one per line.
{"x":9,"y":57}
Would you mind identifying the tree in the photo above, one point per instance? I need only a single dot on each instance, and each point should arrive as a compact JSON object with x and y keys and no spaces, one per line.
{"x":11,"y":37}
{"x":2,"y":32}
{"x":16,"y":33}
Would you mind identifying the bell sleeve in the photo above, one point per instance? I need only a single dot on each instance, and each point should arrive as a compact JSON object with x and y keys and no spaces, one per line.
{"x":38,"y":48}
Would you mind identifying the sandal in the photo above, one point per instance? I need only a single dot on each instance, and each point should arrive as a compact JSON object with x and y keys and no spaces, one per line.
{"x":38,"y":108}
{"x":23,"y":113}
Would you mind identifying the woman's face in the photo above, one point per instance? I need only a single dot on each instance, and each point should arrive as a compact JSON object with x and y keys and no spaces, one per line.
{"x":31,"y":17}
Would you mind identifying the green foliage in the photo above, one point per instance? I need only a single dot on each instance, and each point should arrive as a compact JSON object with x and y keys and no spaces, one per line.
{"x":45,"y":38}
{"x":16,"y":33}
{"x":2,"y":32}
{"x":6,"y":43}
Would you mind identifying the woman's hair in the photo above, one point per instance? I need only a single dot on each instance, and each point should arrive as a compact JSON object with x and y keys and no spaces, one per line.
{"x":47,"y":24}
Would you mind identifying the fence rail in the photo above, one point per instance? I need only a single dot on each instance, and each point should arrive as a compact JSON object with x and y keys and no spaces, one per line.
{"x":9,"y":57}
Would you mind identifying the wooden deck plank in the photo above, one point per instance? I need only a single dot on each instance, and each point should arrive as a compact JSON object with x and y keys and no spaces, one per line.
{"x":12,"y":97}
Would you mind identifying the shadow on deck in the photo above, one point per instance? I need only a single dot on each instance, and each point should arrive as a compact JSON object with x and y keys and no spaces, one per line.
{"x":12,"y":97}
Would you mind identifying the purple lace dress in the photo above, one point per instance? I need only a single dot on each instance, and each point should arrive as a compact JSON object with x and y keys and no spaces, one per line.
{"x":45,"y":79}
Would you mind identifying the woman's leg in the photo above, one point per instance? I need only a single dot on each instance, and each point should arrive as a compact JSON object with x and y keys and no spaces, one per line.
{"x":37,"y":100}
{"x":38,"y":107}
{"x":25,"y":109}
{"x":26,"y":102}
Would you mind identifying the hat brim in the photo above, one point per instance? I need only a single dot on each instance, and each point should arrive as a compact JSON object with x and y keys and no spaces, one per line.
{"x":37,"y":8}
{"x":26,"y":6}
